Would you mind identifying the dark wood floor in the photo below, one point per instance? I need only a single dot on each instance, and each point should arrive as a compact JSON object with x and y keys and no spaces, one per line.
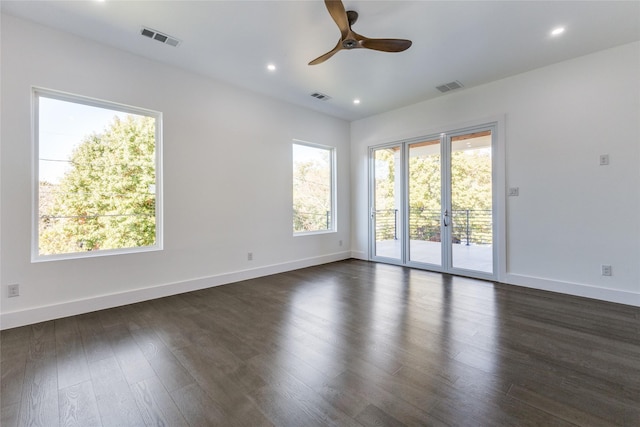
{"x":348,"y":343}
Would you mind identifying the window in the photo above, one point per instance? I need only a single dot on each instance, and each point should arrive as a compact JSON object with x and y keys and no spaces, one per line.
{"x":97,"y":177}
{"x":313,"y":188}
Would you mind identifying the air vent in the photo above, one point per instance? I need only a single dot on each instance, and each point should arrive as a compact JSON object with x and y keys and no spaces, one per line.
{"x":449,"y":86}
{"x":321,"y":96}
{"x":162,"y":38}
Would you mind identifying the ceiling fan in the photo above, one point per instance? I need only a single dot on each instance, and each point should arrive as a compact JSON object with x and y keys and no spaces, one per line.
{"x":350,"y":39}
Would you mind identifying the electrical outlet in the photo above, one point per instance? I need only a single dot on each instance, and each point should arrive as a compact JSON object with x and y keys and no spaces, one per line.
{"x":604,"y":159}
{"x":249,"y":256}
{"x":606,"y":270}
{"x":13,"y":290}
{"x":513,"y":192}
{"x":340,"y":243}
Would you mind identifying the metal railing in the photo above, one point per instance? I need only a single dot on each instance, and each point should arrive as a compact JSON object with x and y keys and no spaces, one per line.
{"x":469,"y":226}
{"x":311,"y":221}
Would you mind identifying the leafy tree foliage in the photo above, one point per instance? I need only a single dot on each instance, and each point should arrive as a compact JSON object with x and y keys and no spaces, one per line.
{"x":385,"y":177}
{"x":385,"y":193}
{"x":471,"y":195}
{"x":470,"y":187}
{"x":312,"y":193}
{"x":107,"y":199}
{"x":424,"y":197}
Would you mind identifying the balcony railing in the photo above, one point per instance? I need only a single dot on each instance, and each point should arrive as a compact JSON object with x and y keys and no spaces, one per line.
{"x":311,"y":221}
{"x":469,"y":226}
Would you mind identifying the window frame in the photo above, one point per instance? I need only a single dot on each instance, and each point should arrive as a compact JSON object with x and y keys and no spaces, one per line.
{"x":36,"y":94}
{"x":333,"y":226}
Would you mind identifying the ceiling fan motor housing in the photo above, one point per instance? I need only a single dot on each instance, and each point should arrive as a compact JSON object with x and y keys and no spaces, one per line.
{"x":350,"y":44}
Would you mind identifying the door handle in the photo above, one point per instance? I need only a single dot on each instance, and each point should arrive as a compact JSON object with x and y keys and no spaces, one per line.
{"x":445,"y":218}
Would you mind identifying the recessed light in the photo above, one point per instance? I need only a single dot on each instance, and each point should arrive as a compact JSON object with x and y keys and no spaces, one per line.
{"x":356,"y":101}
{"x":271,"y":67}
{"x":557,"y":31}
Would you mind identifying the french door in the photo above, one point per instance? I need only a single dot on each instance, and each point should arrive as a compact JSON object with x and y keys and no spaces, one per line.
{"x":432,"y":202}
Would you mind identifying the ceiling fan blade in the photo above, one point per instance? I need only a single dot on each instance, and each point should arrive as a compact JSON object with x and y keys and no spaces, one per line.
{"x":327,"y":55}
{"x":339,"y":15}
{"x":385,"y":45}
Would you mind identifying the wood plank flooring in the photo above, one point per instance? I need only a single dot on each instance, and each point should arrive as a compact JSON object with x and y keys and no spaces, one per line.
{"x":347,"y":343}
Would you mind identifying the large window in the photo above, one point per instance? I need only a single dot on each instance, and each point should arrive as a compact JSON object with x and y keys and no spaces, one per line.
{"x":97,"y":177}
{"x":313,"y":188}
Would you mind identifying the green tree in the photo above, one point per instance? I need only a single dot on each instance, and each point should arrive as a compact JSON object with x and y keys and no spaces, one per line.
{"x":470,"y":191}
{"x":385,"y":192}
{"x":471,"y":194}
{"x":312,"y":194}
{"x":107,"y":199}
{"x":471,"y":179}
{"x":385,"y":176}
{"x":424,"y":196}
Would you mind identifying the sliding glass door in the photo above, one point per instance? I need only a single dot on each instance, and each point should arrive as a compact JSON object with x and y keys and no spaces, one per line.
{"x":432,"y":203}
{"x":425,"y":202}
{"x":471,"y":202}
{"x":386,"y":218}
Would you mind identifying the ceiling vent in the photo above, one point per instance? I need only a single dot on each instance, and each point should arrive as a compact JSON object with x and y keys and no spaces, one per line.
{"x":321,"y":96}
{"x":449,"y":86}
{"x":162,"y":38}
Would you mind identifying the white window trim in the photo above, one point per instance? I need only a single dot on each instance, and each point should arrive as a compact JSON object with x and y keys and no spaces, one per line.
{"x":334,"y":189}
{"x":36,"y":93}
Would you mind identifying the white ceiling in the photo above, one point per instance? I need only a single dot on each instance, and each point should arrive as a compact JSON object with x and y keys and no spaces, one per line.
{"x":474,"y":42}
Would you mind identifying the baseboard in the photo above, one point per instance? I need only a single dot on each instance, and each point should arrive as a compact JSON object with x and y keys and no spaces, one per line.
{"x":575,"y":289}
{"x":359,"y":255}
{"x":56,"y":311}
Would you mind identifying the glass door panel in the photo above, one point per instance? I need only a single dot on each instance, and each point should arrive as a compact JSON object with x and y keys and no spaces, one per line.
{"x":386,"y":215}
{"x":425,"y":202}
{"x":471,"y":235}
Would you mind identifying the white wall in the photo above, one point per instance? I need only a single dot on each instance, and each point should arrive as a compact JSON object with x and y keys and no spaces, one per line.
{"x":572,"y":215}
{"x":227,"y":178}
